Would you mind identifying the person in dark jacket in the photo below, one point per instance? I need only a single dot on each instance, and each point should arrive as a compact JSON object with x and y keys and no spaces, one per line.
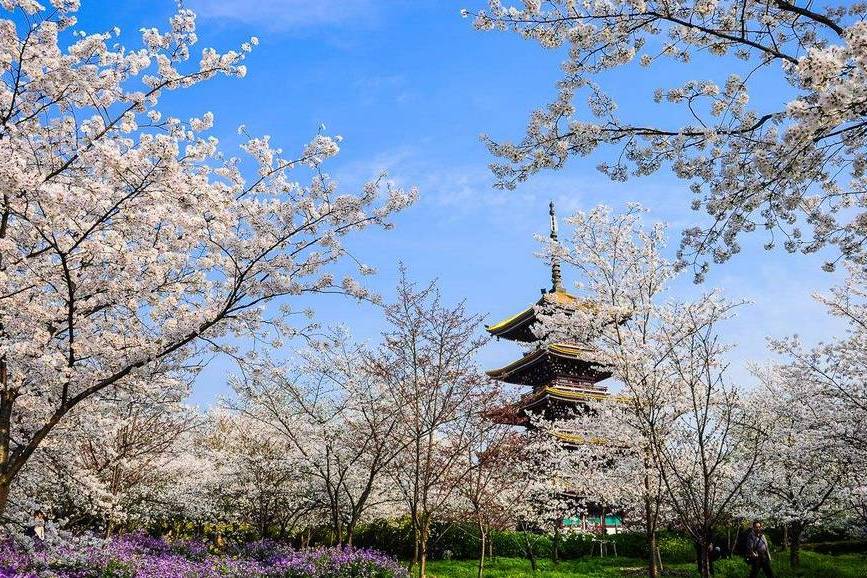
{"x":758,"y":553}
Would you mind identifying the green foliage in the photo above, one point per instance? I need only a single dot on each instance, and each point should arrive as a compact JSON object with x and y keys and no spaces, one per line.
{"x":509,"y":550}
{"x":674,"y":548}
{"x":813,"y":566}
{"x":461,"y":540}
{"x":838,"y":547}
{"x":117,"y":569}
{"x":519,"y":567}
{"x":393,"y":536}
{"x":515,"y":544}
{"x":396,"y":537}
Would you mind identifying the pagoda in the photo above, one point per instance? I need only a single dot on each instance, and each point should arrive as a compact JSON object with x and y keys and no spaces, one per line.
{"x":561,"y":380}
{"x":558,"y":374}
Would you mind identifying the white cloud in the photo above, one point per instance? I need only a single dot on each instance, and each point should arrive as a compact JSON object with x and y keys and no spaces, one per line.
{"x":287,"y":14}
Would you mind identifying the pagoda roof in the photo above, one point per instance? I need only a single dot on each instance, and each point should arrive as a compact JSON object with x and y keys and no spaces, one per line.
{"x":579,"y":440}
{"x":543,"y":395}
{"x":518,"y":326}
{"x":512,"y":373}
{"x":516,"y":413}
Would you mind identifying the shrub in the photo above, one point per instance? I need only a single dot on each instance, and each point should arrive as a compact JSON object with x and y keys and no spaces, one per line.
{"x":837,"y":547}
{"x":394,"y":536}
{"x":462,"y":540}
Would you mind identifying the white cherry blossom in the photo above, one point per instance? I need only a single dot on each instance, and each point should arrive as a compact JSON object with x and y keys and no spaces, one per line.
{"x":128,"y":241}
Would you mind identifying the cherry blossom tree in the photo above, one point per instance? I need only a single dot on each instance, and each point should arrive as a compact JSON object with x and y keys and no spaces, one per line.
{"x":427,"y":361}
{"x":547,"y":493}
{"x":135,"y":446}
{"x":711,"y":449}
{"x":793,"y":161}
{"x":836,"y":368}
{"x":332,"y":408}
{"x":606,"y":466}
{"x":255,"y":477}
{"x":487,"y":495}
{"x":805,"y":474}
{"x":632,"y":329}
{"x":828,"y":399}
{"x":126,"y":238}
{"x":116,"y":463}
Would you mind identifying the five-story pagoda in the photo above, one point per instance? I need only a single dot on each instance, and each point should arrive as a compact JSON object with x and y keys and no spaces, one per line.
{"x":560,"y":376}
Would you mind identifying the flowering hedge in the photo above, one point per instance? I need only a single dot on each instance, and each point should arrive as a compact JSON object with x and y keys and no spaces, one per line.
{"x":144,"y":557}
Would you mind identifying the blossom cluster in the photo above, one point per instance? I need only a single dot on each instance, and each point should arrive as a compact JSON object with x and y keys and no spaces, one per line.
{"x":792,"y":164}
{"x":146,"y":557}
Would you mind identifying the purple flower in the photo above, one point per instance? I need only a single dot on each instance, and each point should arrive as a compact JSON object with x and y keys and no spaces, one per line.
{"x":144,"y":556}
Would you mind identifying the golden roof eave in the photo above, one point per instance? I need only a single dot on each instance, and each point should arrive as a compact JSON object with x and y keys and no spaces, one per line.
{"x":560,"y":297}
{"x":510,"y":321}
{"x":561,"y":392}
{"x":573,"y":394}
{"x":553,"y":392}
{"x":560,"y":349}
{"x":578,"y":439}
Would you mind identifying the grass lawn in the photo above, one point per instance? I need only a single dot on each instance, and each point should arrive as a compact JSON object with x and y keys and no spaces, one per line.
{"x":812,"y":566}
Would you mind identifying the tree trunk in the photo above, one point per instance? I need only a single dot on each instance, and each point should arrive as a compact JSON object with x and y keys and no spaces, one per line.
{"x":703,"y":551}
{"x":416,"y":538}
{"x":5,"y":487}
{"x":336,"y":524}
{"x":650,"y":530}
{"x":653,"y":548}
{"x":425,"y":534}
{"x":6,"y":401}
{"x":785,"y":536}
{"x":350,"y":533}
{"x":531,"y":551}
{"x":556,"y":552}
{"x":728,"y":541}
{"x":482,"y":543}
{"x":705,"y":563}
{"x":795,"y":544}
{"x":659,"y":567}
{"x":650,"y":518}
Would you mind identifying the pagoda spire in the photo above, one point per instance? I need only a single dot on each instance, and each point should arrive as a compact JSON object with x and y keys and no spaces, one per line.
{"x":556,"y":279}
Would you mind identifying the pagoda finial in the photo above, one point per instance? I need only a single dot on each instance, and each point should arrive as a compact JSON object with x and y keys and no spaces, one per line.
{"x":556,"y":280}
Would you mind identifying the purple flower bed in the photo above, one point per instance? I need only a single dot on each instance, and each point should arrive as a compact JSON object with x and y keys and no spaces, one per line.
{"x":145,"y":557}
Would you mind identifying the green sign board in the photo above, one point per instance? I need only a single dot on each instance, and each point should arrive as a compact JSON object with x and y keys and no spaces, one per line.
{"x":610,"y":520}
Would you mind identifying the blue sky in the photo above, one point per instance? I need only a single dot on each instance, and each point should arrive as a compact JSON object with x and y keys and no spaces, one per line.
{"x":410,"y":85}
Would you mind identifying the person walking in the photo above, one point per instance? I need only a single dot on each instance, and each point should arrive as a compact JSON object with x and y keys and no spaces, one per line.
{"x":757,"y":552}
